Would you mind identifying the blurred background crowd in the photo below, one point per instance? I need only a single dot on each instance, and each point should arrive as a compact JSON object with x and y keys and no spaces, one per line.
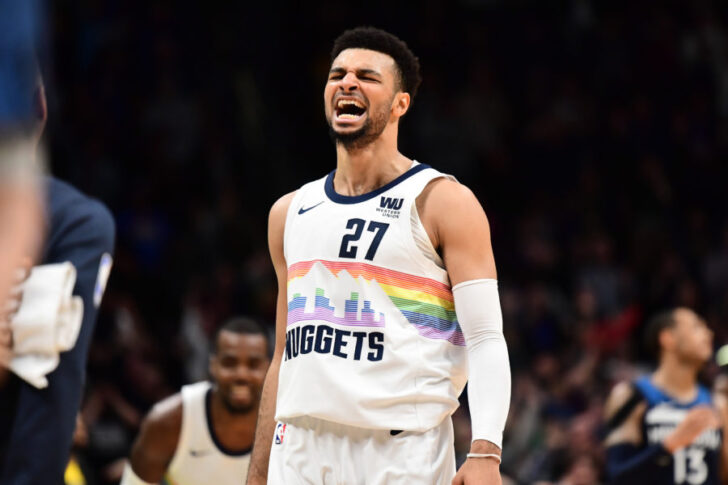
{"x":595,"y":134}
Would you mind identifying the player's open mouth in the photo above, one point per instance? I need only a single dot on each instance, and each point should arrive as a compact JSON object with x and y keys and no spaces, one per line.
{"x":349,"y":110}
{"x":240,"y":392}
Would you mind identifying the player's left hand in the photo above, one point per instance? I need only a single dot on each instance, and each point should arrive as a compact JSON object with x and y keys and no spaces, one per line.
{"x":478,"y":471}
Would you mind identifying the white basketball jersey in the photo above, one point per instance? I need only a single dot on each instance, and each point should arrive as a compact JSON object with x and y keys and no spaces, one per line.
{"x":200,"y":458}
{"x":372,"y":338}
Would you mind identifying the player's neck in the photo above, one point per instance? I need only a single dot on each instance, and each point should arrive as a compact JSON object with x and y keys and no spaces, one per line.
{"x":364,"y":169}
{"x":677,"y":379}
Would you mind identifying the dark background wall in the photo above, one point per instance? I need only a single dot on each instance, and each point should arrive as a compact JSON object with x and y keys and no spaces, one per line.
{"x":594,"y":134}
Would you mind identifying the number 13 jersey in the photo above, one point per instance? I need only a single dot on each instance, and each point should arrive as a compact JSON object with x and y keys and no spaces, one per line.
{"x":372,"y":339}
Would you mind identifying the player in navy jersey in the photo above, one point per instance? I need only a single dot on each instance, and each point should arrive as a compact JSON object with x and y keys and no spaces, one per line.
{"x":665,"y":428}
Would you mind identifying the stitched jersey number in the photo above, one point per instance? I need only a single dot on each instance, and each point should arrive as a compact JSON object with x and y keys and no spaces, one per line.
{"x":348,"y":250}
{"x":690,"y":467}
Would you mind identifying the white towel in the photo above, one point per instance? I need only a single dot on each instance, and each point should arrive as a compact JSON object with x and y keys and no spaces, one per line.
{"x":47,"y":322}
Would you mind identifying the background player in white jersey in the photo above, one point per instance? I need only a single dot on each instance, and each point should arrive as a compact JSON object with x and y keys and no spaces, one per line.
{"x":666,"y":428}
{"x":204,"y":434}
{"x":385,"y":272}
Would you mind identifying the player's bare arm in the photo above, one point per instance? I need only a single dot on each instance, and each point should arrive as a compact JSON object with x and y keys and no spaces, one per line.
{"x":628,"y":431}
{"x":156,"y":443}
{"x":459,"y":230}
{"x":258,"y":471}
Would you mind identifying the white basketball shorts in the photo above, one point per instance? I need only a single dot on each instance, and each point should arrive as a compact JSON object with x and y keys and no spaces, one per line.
{"x":315,"y":452}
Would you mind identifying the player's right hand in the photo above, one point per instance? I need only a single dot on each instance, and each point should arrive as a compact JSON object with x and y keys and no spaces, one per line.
{"x":8,"y":310}
{"x":696,"y":421}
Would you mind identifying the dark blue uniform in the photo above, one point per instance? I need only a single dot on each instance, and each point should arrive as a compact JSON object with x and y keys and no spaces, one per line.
{"x":696,"y":464}
{"x":38,"y":439}
{"x":650,"y":463}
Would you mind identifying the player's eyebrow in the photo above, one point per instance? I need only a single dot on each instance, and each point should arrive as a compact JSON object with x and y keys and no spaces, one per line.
{"x":359,"y":72}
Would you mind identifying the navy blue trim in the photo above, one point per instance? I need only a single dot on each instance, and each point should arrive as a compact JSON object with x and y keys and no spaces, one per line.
{"x":211,"y":430}
{"x":355,"y":199}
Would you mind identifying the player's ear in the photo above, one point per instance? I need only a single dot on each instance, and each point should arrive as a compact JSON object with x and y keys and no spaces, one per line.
{"x":212,"y":365}
{"x":667,"y":339}
{"x":401,"y":104}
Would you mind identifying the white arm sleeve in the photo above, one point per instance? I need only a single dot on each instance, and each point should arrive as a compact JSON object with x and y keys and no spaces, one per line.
{"x":130,"y":478}
{"x":489,"y":384}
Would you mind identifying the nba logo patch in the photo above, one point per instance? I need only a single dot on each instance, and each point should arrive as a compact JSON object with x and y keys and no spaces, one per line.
{"x":280,"y":433}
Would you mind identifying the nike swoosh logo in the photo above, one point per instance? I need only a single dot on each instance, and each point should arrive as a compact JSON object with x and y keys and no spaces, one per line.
{"x":198,"y":453}
{"x":302,"y":210}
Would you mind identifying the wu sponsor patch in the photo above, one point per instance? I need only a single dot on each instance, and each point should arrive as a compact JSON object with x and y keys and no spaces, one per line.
{"x":390,"y":206}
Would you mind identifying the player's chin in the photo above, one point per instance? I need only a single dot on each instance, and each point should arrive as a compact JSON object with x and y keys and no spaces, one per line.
{"x":240,"y":406}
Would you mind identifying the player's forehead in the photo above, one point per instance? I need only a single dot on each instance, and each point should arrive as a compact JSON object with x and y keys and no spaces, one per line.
{"x":364,"y":59}
{"x":234,"y":343}
{"x":687,"y":318}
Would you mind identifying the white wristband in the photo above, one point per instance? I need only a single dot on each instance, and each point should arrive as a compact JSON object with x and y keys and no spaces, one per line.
{"x":485,"y":455}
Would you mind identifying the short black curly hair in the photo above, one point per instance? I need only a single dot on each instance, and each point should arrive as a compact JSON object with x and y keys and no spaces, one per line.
{"x":372,"y":38}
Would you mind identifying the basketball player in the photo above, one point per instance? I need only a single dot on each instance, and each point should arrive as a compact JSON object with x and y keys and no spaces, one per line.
{"x":665,"y":428}
{"x":385,"y":273}
{"x":203,"y":435}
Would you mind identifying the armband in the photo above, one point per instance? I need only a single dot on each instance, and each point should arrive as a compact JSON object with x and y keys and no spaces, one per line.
{"x":477,"y":306}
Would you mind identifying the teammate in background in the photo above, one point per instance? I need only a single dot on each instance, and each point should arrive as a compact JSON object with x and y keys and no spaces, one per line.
{"x":385,"y":273}
{"x":203,"y":435}
{"x":665,"y":428}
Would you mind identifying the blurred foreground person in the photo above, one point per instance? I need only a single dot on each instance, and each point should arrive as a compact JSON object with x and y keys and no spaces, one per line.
{"x":666,"y":428}
{"x":20,"y":202}
{"x":38,"y":412}
{"x":203,"y":435}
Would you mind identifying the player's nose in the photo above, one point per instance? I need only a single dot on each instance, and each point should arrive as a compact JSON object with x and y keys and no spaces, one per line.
{"x":242,"y":373}
{"x":349,"y":82}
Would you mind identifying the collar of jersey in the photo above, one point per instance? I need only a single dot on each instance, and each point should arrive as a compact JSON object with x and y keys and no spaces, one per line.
{"x":354,"y":199}
{"x":211,"y":429}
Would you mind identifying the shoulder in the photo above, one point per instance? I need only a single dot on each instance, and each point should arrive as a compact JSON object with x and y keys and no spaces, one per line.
{"x":158,"y":437}
{"x":620,"y":394}
{"x":449,"y":209}
{"x":279,"y":209}
{"x":276,"y":227}
{"x":165,"y":416}
{"x":623,"y":414}
{"x":445,"y":191}
{"x":72,"y":212}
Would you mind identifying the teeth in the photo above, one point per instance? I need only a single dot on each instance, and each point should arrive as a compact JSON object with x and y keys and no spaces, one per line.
{"x":345,"y":102}
{"x":349,"y":117}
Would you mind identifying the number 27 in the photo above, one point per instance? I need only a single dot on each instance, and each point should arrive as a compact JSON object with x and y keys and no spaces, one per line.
{"x":348,"y":250}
